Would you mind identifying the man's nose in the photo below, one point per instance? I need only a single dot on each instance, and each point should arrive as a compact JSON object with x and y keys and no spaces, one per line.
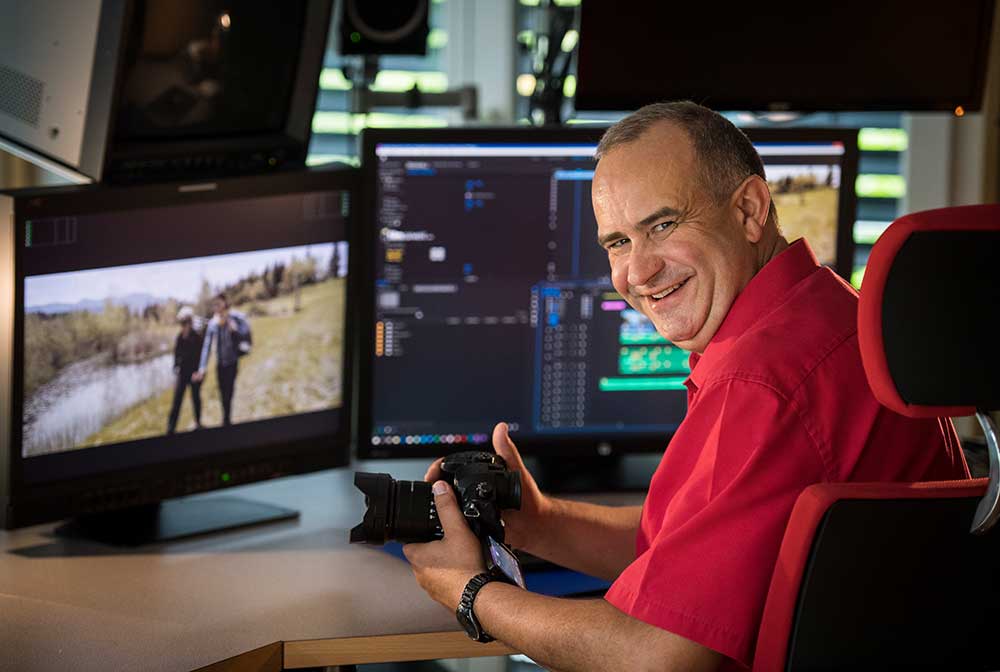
{"x":643,"y":266}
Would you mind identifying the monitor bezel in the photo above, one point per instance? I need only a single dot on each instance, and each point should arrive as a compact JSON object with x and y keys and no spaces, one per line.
{"x":540,"y":446}
{"x":34,"y":502}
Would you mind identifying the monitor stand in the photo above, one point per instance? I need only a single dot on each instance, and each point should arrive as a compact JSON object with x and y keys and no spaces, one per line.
{"x":173,"y":519}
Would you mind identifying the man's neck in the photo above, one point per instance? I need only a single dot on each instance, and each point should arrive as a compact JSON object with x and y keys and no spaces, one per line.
{"x":769,"y":248}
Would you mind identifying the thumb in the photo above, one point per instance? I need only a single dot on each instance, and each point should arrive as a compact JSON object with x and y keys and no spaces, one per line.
{"x":505,"y":447}
{"x":447,"y":507}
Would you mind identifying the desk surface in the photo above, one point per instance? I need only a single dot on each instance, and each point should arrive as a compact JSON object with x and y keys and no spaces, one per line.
{"x":69,"y":604}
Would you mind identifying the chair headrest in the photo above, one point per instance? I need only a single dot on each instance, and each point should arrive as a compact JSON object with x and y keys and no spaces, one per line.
{"x":929,"y":313}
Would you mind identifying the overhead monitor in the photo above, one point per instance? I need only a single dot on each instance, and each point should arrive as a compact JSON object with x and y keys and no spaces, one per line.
{"x":173,"y":339}
{"x":849,"y":55}
{"x":132,"y":90}
{"x":488,"y":298}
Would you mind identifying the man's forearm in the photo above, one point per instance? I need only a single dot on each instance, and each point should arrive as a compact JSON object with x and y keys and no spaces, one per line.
{"x":571,"y":635}
{"x":596,"y":540}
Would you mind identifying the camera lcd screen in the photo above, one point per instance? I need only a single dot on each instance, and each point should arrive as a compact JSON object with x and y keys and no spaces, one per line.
{"x":505,"y":561}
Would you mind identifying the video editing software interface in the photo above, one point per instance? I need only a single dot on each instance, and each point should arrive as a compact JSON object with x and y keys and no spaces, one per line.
{"x":493,"y":299}
{"x":162,"y":333}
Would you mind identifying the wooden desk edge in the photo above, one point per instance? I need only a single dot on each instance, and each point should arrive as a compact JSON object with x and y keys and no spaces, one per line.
{"x":265,"y":659}
{"x":387,"y":649}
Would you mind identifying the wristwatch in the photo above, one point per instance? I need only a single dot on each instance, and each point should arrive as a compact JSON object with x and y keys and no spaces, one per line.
{"x":465,"y":615}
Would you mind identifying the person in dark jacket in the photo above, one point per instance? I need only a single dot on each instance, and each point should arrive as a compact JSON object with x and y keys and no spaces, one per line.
{"x":230,"y":330}
{"x":187,"y":355}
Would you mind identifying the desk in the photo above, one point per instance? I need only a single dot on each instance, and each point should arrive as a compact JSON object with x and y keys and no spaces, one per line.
{"x":287,"y":594}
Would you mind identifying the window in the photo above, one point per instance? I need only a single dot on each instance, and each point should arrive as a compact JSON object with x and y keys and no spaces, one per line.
{"x":336,"y":128}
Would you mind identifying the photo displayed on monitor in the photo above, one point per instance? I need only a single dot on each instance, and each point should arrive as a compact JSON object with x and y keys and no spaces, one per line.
{"x":110,"y":354}
{"x":805,"y":180}
{"x":223,"y":329}
{"x":493,"y":301}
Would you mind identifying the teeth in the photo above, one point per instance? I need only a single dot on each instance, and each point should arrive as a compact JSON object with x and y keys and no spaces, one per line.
{"x":667,"y":291}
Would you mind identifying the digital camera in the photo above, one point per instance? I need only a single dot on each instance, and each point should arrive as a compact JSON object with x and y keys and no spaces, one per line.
{"x":404,"y":511}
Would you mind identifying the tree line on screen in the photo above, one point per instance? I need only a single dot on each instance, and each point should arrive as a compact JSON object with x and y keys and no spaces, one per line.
{"x":118,"y":334}
{"x":790,"y":184}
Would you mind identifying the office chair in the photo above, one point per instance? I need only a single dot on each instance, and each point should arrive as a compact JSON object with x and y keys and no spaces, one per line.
{"x":906,"y":575}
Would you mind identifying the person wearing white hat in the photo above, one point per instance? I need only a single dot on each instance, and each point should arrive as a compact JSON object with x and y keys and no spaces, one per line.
{"x":187,"y":354}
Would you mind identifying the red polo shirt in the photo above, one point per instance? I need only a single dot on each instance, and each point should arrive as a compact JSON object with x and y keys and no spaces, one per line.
{"x":777,"y":401}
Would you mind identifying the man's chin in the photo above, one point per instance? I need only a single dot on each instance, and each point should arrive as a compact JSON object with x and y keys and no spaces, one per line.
{"x":689,"y":345}
{"x":684,"y":338}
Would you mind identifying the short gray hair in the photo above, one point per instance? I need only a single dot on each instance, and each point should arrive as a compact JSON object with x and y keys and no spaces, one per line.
{"x":724,"y":153}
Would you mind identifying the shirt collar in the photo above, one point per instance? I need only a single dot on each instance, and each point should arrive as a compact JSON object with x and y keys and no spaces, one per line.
{"x":766,"y":289}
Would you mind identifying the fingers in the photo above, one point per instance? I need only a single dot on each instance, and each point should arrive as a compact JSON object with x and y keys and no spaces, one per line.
{"x":447,"y":508}
{"x":434,"y":471}
{"x":505,"y":447}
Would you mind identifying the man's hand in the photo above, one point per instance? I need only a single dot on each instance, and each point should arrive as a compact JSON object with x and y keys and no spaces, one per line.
{"x":520,"y":527}
{"x":197,"y":376}
{"x":593,"y":539}
{"x":444,"y":567}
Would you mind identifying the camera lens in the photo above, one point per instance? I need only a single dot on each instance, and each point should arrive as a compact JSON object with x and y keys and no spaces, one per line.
{"x":396,"y":510}
{"x":415,"y":517}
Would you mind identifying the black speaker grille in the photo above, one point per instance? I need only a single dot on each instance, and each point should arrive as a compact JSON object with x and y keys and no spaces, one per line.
{"x":20,"y":96}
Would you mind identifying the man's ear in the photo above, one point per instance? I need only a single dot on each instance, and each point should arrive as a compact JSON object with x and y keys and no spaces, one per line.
{"x":753,"y":205}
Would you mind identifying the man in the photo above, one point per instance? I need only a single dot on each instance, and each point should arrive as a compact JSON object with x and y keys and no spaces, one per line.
{"x":230,"y":329}
{"x":777,"y":400}
{"x":187,"y":354}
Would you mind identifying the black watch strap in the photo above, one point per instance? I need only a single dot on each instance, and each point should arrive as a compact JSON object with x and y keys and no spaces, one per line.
{"x":465,"y":614}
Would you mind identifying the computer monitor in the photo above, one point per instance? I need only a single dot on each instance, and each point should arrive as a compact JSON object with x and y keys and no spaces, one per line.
{"x":487,"y":297}
{"x":143,"y":90}
{"x":173,"y":339}
{"x":849,"y":55}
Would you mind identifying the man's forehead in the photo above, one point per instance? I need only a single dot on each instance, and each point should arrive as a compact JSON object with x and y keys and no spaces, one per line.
{"x":663,"y":141}
{"x":664,"y":151}
{"x":658,"y":166}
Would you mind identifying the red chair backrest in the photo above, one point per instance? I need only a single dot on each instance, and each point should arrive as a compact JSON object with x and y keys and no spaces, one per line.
{"x":929,"y":313}
{"x":873,"y":575}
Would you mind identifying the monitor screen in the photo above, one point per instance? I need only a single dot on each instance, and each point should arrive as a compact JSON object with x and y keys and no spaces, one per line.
{"x":491,"y":300}
{"x":848,"y":55}
{"x":164,"y":326}
{"x":196,"y":68}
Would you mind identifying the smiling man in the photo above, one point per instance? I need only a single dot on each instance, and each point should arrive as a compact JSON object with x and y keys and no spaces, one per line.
{"x":777,"y":400}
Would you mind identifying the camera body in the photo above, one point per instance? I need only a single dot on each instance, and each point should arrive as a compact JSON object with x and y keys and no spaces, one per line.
{"x":404,"y":510}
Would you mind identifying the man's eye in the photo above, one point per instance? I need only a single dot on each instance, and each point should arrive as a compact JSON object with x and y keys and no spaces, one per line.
{"x":618,"y":244}
{"x":664,"y":226}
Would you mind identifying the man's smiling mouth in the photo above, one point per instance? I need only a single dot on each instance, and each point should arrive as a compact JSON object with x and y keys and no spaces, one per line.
{"x":668,"y":291}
